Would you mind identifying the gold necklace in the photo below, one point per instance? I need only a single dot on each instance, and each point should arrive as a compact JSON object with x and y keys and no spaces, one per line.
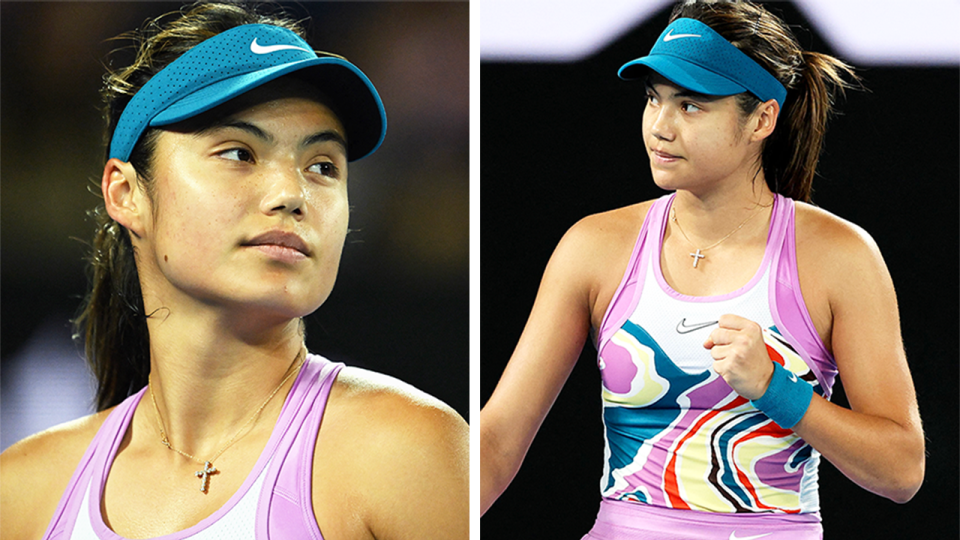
{"x":208,"y":468}
{"x":699,"y":253}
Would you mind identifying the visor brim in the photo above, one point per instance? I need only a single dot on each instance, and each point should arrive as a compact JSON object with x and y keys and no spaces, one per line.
{"x":681,"y":73}
{"x":353,"y":97}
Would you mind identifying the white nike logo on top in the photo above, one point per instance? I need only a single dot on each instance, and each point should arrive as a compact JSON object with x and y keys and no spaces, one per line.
{"x":733,"y":536}
{"x":671,"y":36}
{"x":256,"y":48}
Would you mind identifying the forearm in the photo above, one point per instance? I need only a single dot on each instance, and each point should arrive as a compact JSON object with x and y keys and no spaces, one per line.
{"x":514,"y":413}
{"x":877,"y":453}
{"x":493,"y":480}
{"x":499,"y":462}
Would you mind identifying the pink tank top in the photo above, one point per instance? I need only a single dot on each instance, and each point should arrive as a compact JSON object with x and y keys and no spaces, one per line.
{"x":273,"y":502}
{"x":677,"y":436}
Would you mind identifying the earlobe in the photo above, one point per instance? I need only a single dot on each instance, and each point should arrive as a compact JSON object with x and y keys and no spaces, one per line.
{"x":121,"y":195}
{"x":767,"y":114}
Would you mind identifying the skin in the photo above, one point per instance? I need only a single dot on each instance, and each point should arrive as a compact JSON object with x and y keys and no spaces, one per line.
{"x":390,"y":461}
{"x":701,"y":147}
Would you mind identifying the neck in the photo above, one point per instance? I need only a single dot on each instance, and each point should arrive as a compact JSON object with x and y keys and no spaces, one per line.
{"x":209,"y":380}
{"x":707,"y":216}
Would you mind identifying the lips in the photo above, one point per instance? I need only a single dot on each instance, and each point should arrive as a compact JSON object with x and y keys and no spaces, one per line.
{"x":661,"y":158}
{"x":664,"y":155}
{"x":279,"y":241}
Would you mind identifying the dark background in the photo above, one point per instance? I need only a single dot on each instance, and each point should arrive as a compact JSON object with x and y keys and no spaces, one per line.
{"x":400,"y":305}
{"x":562,"y":141}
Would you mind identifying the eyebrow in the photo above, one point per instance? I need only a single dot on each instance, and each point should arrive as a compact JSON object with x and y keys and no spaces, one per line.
{"x":316,"y":138}
{"x":238,"y":124}
{"x":325,"y":136}
{"x":684,"y":93}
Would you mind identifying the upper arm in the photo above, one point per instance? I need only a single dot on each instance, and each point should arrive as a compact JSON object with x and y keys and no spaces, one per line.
{"x":557,"y":328}
{"x":578,"y":282}
{"x":35,"y":472}
{"x":17,"y":505}
{"x":865,"y":333}
{"x":425,"y":475}
{"x":391,"y":462}
{"x":554,"y":334}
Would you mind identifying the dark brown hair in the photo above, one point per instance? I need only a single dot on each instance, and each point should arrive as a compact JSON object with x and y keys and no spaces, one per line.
{"x":813,"y":81}
{"x":111,"y":320}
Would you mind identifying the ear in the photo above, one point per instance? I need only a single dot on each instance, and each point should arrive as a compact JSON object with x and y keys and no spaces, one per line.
{"x":123,"y":196}
{"x":765,"y":119}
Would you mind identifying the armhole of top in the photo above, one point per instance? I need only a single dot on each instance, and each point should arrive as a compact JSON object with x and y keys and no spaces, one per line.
{"x":790,"y":311}
{"x":86,"y":478}
{"x":65,"y":516}
{"x":285,"y":509}
{"x":315,"y":419}
{"x":627,"y":295}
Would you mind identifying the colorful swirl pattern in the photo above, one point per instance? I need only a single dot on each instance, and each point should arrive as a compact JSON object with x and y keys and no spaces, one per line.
{"x":685,"y":440}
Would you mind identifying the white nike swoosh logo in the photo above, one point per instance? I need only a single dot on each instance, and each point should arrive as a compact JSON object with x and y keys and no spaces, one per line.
{"x":733,"y":536}
{"x":256,"y":48}
{"x":671,"y":36}
{"x":682,"y":327}
{"x":793,"y":376}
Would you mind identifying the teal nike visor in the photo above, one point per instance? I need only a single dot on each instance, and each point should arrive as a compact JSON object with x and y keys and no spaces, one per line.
{"x":238,"y":60}
{"x":694,"y":56}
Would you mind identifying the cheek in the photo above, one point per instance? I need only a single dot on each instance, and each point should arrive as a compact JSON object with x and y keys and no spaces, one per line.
{"x":186,"y":220}
{"x":332,"y":211}
{"x":715,"y":143}
{"x":342,"y":220}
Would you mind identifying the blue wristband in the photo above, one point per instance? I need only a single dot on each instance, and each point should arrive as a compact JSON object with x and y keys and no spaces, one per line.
{"x":786,"y":399}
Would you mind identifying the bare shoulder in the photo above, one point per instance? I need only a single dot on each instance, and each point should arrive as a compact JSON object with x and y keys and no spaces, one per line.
{"x":839,"y":260}
{"x":593,"y":255}
{"x":829,"y":227}
{"x":35,"y":472}
{"x":837,"y":242}
{"x":389,"y":404}
{"x":404,"y":455}
{"x":619,"y":224}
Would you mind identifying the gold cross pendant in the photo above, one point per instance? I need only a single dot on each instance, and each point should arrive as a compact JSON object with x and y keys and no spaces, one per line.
{"x":204,"y":476}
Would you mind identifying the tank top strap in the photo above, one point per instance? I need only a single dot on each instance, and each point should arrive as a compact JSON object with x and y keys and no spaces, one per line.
{"x":627,"y":295}
{"x":286,"y":504}
{"x":91,"y":473}
{"x":788,"y":307}
{"x":781,"y":221}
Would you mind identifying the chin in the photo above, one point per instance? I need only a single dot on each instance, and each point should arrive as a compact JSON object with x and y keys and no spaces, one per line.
{"x":289,"y":301}
{"x":665,"y":180}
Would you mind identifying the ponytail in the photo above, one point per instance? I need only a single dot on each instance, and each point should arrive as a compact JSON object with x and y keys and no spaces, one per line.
{"x":790,"y":155}
{"x":111,"y":320}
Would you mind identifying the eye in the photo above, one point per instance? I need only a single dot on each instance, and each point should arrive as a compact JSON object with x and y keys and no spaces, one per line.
{"x":690,"y":107}
{"x":326,"y":168}
{"x":237,"y":154}
{"x":652,"y":99}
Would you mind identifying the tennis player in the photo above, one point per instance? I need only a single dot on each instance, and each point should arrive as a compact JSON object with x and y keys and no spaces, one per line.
{"x":225,"y":212}
{"x":724,"y":311}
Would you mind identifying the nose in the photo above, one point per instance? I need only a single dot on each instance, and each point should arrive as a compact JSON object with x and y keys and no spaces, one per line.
{"x":661,"y":123}
{"x":284,"y":194}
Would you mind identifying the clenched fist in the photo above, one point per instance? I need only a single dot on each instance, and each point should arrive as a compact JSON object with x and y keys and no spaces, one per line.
{"x":740,"y":356}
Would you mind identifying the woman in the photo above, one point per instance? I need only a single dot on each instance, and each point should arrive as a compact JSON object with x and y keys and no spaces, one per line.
{"x":709,"y":354}
{"x":225,"y":212}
